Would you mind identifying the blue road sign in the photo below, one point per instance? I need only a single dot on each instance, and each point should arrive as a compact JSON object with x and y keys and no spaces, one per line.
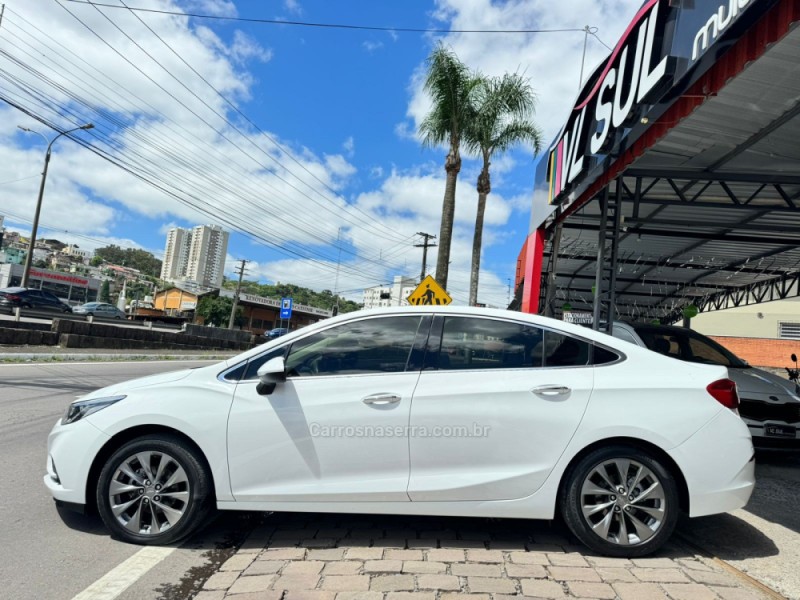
{"x":286,"y":308}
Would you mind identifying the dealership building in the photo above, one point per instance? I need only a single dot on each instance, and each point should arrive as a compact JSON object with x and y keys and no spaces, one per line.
{"x":674,"y":186}
{"x":74,"y":289}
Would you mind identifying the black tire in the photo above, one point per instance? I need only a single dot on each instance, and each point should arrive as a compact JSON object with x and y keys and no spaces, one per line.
{"x":571,"y":502}
{"x":194,"y":509}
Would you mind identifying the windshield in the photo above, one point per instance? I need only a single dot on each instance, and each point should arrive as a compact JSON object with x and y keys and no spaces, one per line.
{"x":689,"y":346}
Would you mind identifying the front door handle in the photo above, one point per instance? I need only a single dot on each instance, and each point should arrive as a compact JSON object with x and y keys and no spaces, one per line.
{"x":381,"y":399}
{"x":551,"y":390}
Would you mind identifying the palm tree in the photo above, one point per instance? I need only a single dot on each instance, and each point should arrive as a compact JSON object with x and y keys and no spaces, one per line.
{"x":503,"y":108}
{"x":449,"y":84}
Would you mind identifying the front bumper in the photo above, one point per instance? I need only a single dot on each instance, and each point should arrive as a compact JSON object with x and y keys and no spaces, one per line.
{"x":71,"y":449}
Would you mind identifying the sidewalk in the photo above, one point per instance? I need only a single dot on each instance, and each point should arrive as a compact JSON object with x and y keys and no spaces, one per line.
{"x":55,"y":354}
{"x":360,"y":557}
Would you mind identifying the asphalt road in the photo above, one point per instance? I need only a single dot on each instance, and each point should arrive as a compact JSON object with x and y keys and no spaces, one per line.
{"x":45,"y":555}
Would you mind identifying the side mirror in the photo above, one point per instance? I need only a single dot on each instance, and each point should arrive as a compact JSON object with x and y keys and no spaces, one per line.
{"x":270,"y":374}
{"x":794,"y":357}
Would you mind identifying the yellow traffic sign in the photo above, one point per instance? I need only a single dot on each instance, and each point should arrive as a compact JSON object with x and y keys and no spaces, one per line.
{"x":429,"y":293}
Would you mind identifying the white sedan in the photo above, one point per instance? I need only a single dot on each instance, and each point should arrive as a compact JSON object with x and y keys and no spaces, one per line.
{"x":426,"y":411}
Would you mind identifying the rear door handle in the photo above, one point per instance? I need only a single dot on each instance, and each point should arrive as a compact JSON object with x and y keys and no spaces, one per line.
{"x":381,"y":399}
{"x":551,"y":390}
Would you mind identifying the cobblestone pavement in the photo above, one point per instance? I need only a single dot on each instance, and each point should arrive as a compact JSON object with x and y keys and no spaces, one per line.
{"x":354,"y":557}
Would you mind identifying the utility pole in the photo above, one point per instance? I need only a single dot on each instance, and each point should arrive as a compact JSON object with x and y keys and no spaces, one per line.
{"x":32,"y":244}
{"x":427,"y":237}
{"x":238,"y":290}
{"x":338,"y":264}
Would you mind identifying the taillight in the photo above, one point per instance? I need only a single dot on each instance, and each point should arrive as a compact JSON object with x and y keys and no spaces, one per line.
{"x":13,"y":297}
{"x":724,"y":392}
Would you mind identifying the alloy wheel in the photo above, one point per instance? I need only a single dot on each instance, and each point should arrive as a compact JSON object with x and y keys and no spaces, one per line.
{"x":623,"y":502}
{"x":149,"y":493}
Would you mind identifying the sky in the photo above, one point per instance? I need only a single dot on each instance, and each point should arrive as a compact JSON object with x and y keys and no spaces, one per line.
{"x":299,"y":140}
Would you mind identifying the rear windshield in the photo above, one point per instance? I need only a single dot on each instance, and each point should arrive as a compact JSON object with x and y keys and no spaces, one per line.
{"x":687,"y":345}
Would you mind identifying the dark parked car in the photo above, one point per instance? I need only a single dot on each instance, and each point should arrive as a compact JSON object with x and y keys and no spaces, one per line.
{"x":12,"y":297}
{"x":275,"y":333}
{"x":769,"y":404}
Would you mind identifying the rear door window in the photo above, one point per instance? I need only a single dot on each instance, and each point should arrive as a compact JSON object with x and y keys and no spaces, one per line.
{"x":477,"y":343}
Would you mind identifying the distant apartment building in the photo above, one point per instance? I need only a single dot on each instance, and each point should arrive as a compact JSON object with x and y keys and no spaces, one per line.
{"x":176,"y":254}
{"x":196,"y":255}
{"x":77,"y":252}
{"x":390,"y":295}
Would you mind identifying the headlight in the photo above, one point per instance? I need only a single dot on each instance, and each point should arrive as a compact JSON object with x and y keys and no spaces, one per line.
{"x":83,"y":408}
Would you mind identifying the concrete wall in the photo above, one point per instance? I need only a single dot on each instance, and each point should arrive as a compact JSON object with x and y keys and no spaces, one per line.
{"x":81,"y":334}
{"x":755,"y":321}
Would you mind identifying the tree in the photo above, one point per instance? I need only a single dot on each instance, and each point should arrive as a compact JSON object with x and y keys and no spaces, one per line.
{"x":449,"y":84}
{"x":105,"y":292}
{"x":134,"y":258}
{"x":501,"y":118}
{"x":216,"y":310}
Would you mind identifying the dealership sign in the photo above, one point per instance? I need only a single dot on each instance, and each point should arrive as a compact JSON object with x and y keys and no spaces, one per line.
{"x":666,"y":47}
{"x":59,"y":277}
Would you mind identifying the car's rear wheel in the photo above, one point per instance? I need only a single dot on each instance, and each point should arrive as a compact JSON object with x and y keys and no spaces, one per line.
{"x":620,"y":501}
{"x":153,"y":490}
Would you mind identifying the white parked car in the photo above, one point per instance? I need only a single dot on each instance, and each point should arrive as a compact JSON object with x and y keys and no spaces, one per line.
{"x":424,"y":410}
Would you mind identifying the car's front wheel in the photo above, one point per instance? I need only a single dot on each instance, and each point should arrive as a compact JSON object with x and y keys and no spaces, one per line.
{"x":153,"y":490}
{"x":620,"y":501}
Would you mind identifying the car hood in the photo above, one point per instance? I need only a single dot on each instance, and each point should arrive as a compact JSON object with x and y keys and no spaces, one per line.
{"x":755,"y":383}
{"x":132,"y":384}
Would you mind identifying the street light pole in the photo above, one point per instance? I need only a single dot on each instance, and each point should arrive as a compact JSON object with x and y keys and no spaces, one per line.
{"x":34,"y":229}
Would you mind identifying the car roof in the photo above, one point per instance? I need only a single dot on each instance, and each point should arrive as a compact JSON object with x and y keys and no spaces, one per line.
{"x":12,"y":290}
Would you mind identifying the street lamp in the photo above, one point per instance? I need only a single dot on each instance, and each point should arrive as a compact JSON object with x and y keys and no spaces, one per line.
{"x":29,"y":257}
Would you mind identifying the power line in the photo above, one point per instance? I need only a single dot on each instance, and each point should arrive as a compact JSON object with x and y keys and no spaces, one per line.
{"x":20,"y":219}
{"x":243,"y":115}
{"x":104,"y":153}
{"x":320,"y":25}
{"x":369,"y":220}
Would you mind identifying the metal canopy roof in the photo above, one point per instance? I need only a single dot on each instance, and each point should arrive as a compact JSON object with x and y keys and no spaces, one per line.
{"x":710,"y":213}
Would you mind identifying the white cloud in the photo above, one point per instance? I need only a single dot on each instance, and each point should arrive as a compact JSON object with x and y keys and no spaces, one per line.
{"x":220,"y":8}
{"x":245,"y":48}
{"x":295,"y":200}
{"x":551,"y":60}
{"x":349,"y":146}
{"x":372,"y":46}
{"x":293,"y":6}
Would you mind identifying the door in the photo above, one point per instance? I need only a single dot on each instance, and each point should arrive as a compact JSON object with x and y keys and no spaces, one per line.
{"x":336,"y":429}
{"x":495,"y":407}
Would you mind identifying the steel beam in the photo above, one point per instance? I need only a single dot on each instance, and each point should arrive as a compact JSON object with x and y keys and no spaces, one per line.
{"x":728,"y":177}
